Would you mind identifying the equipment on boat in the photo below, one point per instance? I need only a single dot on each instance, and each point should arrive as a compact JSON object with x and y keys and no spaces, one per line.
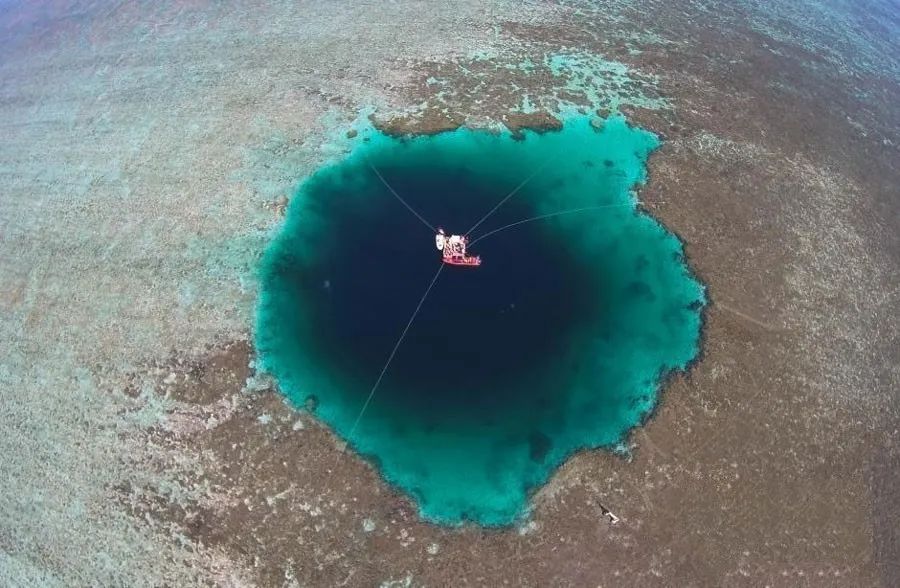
{"x":453,"y":249}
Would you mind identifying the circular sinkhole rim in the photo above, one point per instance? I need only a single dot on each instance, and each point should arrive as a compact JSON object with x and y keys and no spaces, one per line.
{"x":661,"y":379}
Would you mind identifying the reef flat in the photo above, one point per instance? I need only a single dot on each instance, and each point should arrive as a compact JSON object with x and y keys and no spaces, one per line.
{"x":151,"y":150}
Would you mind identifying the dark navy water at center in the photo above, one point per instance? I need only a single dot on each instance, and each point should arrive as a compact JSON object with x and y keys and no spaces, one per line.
{"x":558,"y":342}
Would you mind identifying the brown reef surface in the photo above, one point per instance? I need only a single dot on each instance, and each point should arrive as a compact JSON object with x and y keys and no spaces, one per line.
{"x":144,"y":152}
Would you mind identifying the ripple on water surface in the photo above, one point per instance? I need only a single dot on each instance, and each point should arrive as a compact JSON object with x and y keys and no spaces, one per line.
{"x":558,"y":342}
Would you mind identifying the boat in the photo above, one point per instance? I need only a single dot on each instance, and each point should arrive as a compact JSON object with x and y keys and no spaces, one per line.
{"x":453,"y":250}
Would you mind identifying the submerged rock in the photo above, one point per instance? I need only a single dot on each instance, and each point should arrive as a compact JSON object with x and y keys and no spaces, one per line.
{"x":539,"y":121}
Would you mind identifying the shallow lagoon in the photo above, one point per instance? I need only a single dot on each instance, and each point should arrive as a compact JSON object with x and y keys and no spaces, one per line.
{"x":558,"y":342}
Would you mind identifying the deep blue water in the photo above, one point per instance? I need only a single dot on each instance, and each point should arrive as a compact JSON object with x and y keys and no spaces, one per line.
{"x":557,"y":342}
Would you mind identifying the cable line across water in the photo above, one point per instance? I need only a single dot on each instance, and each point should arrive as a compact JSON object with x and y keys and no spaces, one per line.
{"x":402,"y":201}
{"x":393,"y":353}
{"x":550,"y":215}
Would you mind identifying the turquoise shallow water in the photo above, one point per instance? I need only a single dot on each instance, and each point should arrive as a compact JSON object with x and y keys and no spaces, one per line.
{"x":558,"y":342}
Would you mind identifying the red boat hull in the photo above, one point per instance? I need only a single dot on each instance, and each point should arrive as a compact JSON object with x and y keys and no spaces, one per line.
{"x":463,"y":261}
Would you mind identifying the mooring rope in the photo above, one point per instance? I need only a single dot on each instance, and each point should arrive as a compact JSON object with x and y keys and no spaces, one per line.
{"x":402,"y":201}
{"x":391,"y":356}
{"x":510,"y":195}
{"x":543,"y":216}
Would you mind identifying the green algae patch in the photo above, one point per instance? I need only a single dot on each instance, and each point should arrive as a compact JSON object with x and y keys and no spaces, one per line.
{"x":558,"y":342}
